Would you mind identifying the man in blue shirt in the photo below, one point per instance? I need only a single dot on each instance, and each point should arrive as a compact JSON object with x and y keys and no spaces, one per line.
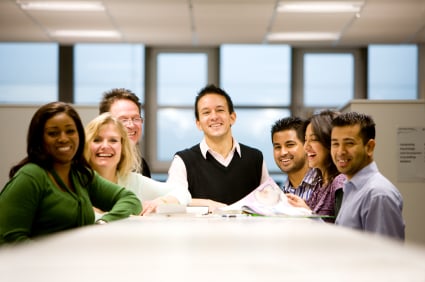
{"x":370,"y":202}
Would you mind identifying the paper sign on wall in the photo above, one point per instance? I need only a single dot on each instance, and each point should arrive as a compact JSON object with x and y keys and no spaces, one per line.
{"x":411,"y":154}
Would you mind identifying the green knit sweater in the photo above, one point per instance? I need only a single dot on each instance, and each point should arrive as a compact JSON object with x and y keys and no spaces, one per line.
{"x":32,"y":205}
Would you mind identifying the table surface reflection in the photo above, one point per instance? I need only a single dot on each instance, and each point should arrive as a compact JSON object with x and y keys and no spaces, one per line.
{"x":213,"y":248}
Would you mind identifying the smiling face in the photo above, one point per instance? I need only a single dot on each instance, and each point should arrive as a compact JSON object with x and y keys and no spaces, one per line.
{"x":105,"y":148}
{"x":124,"y":109}
{"x":316,"y":152}
{"x":215,"y":120}
{"x":60,"y":138}
{"x":349,"y":153}
{"x":288,"y":151}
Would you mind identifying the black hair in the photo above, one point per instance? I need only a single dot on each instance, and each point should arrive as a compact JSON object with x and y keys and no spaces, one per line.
{"x":290,"y":123}
{"x":212,"y":89}
{"x":366,"y":122}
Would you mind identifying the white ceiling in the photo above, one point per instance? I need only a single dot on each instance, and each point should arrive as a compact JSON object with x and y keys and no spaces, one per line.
{"x":215,"y":22}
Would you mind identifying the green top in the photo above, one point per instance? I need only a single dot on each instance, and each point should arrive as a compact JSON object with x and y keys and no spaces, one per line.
{"x":32,"y":205}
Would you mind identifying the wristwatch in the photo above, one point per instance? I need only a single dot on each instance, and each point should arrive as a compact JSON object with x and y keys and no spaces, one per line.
{"x":101,"y":221}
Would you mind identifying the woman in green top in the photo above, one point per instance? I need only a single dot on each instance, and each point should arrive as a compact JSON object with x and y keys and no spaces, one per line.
{"x":54,"y":188}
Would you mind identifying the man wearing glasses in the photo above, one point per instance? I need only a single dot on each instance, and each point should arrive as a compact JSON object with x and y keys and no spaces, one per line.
{"x":125,"y":106}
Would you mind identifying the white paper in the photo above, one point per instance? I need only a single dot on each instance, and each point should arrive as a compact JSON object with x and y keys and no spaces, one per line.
{"x":411,"y":154}
{"x":267,"y":199}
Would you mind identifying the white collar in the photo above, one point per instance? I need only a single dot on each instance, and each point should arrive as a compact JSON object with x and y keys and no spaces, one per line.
{"x":204,"y":148}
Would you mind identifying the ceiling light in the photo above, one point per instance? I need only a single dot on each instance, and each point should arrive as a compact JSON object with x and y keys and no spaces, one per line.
{"x":302,"y":36}
{"x":86,"y":33}
{"x":62,"y":5}
{"x":320,"y":7}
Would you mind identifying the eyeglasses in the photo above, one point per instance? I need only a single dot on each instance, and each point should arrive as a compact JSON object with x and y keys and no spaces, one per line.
{"x":135,"y":120}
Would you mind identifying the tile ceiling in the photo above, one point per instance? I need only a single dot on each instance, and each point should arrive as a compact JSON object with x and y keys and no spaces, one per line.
{"x":215,"y":22}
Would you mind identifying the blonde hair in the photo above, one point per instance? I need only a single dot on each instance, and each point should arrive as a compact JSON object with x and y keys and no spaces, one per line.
{"x":130,"y":159}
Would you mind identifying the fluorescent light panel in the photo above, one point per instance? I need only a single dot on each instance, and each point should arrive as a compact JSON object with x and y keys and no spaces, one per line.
{"x":320,"y":6}
{"x":302,"y":36}
{"x":62,"y":5}
{"x":86,"y":33}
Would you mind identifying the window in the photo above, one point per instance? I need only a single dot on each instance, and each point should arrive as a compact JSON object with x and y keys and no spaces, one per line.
{"x":101,"y":67}
{"x":328,"y":80}
{"x":253,"y":128}
{"x":29,"y":73}
{"x":176,"y":76}
{"x":393,"y":72}
{"x":248,"y":72}
{"x":257,"y":77}
{"x":180,"y":77}
{"x":176,"y":131}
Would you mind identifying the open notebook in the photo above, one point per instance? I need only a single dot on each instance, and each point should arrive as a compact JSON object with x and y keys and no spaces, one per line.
{"x":268,"y":200}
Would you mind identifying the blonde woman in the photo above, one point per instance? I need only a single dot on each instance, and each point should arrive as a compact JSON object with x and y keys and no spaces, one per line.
{"x":53,"y":188}
{"x":111,"y":153}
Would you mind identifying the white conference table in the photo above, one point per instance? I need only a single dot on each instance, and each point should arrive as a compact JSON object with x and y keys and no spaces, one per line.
{"x":212,"y":248}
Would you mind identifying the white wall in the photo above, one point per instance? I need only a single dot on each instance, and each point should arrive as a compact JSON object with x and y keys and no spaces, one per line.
{"x":15,"y":120}
{"x":389,"y":116}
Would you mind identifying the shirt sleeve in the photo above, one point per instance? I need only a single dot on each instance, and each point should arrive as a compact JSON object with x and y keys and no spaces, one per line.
{"x":149,"y":189}
{"x":18,"y":205}
{"x":116,"y":200}
{"x":177,"y":178}
{"x":180,"y":193}
{"x":384,"y":217}
{"x":177,"y":174}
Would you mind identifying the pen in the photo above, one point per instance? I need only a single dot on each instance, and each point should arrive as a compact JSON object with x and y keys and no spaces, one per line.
{"x":233,"y":215}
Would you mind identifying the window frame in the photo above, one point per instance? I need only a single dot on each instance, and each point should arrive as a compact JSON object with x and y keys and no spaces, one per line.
{"x":149,"y":146}
{"x":297,"y":94}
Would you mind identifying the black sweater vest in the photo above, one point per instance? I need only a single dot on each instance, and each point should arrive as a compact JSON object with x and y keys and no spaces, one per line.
{"x":208,"y":179}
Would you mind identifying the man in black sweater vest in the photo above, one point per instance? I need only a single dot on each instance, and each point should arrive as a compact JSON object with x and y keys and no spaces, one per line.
{"x":218,"y":171}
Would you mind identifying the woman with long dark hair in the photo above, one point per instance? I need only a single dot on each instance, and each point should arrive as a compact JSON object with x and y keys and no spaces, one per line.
{"x":326,"y":197}
{"x":54,"y":188}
